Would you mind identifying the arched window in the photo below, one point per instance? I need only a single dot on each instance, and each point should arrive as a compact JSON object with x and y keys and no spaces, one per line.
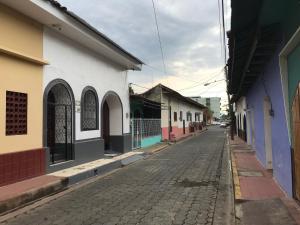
{"x":89,"y":110}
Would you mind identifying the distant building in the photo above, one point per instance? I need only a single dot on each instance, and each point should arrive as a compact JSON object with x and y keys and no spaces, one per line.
{"x":180,"y":115}
{"x":145,"y":121}
{"x":213,"y":103}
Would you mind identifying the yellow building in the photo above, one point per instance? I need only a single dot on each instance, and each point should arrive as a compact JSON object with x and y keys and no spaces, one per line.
{"x":21,"y":97}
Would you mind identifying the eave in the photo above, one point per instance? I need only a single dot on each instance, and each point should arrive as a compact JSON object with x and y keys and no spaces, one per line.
{"x":71,"y":26}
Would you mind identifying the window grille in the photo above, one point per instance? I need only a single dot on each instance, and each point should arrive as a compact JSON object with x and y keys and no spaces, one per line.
{"x":180,"y":116}
{"x":89,"y":111}
{"x":16,"y":113}
{"x":175,"y":116}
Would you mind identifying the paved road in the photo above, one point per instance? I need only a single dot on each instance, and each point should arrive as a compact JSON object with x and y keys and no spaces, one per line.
{"x":189,"y":183}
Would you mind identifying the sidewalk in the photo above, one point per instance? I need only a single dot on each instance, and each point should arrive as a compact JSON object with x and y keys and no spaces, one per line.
{"x":22,"y":193}
{"x":259,"y":199}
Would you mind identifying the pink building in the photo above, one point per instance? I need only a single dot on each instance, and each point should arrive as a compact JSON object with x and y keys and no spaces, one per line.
{"x":180,"y":115}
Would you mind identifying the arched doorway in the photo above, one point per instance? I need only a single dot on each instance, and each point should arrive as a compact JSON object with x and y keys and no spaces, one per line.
{"x":268,"y":133}
{"x":296,"y":141}
{"x":59,"y":104}
{"x":112,"y":122}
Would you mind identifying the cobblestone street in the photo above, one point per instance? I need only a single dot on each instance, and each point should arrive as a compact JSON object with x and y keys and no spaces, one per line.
{"x":188,"y":183}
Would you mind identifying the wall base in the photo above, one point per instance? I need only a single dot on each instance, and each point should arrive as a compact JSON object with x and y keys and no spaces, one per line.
{"x":84,"y":151}
{"x":18,"y":166}
{"x":121,"y":143}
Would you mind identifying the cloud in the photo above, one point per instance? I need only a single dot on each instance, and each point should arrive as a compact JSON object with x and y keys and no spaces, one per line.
{"x":189,"y":31}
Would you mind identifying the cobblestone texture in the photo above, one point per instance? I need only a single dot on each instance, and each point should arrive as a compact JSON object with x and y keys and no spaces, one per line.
{"x":186,"y":184}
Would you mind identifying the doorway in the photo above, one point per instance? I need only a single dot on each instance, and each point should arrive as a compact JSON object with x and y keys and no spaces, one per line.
{"x":268,"y":132}
{"x":112,"y":122}
{"x":59,"y":124}
{"x":105,"y":127}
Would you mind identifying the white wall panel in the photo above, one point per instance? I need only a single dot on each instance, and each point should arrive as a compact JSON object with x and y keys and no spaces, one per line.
{"x":80,"y":68}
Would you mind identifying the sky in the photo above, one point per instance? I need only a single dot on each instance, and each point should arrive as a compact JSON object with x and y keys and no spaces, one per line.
{"x":190,"y":37}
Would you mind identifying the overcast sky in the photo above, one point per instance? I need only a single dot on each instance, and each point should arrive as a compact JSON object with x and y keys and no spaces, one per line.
{"x":190,"y":38}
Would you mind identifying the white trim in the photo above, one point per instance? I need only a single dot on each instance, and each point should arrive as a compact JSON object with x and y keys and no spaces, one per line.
{"x":283,"y":63}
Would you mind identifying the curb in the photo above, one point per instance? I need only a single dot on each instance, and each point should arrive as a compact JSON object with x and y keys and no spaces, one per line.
{"x":236,"y":181}
{"x":31,"y":196}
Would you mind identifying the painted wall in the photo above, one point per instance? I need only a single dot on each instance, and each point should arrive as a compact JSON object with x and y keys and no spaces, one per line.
{"x":148,"y":141}
{"x":80,"y":68}
{"x":269,"y":83}
{"x":177,"y":106}
{"x":20,"y":34}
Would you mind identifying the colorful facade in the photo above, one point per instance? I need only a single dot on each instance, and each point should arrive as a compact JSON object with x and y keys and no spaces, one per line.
{"x":266,"y":74}
{"x":21,"y":111}
{"x":145,"y":121}
{"x":65,"y":91}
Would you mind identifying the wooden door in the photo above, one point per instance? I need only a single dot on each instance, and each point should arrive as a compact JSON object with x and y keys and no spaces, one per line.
{"x":105,"y":126}
{"x":296,"y":142}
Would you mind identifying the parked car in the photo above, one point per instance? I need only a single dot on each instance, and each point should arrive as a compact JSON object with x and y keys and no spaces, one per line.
{"x":223,"y":125}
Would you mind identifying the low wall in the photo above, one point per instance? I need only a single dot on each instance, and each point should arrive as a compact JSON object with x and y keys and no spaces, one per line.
{"x":148,"y":141}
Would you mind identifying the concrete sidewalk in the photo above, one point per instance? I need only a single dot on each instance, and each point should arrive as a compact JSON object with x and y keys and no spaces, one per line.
{"x":259,"y":199}
{"x":22,"y":193}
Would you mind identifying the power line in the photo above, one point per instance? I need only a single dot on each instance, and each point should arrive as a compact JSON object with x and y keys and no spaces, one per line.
{"x":224,"y":38}
{"x":139,"y":86}
{"x":172,"y":75}
{"x":203,"y":82}
{"x":220,"y":27}
{"x":159,"y":39}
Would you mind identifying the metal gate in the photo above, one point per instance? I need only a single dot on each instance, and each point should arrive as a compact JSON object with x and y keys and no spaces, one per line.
{"x":59,"y":130}
{"x":136,"y":131}
{"x":142,"y":129}
{"x":296,"y":143}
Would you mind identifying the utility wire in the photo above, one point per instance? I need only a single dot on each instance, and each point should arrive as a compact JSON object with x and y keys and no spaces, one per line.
{"x":159,"y":39}
{"x":203,"y":82}
{"x":224,"y":38}
{"x":220,"y":28}
{"x":184,"y":77}
{"x":139,"y":86}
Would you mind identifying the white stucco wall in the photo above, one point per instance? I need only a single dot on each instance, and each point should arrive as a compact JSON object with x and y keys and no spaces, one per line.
{"x":80,"y":67}
{"x":177,"y":106}
{"x":240,"y":109}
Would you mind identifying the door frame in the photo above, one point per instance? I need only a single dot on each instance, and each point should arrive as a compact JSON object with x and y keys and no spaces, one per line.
{"x":45,"y":114}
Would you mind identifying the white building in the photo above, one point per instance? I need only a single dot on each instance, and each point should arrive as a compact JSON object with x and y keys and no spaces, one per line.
{"x":213,"y":103}
{"x":86,"y":97}
{"x":180,"y":115}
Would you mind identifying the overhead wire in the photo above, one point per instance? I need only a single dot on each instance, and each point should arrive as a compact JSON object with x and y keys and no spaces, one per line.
{"x":159,"y":38}
{"x":220,"y":28}
{"x":203,"y":82}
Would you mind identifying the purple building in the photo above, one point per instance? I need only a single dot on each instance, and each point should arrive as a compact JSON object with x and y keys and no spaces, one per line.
{"x":255,"y":43}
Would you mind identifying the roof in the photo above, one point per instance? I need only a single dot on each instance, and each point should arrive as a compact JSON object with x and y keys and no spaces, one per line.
{"x":65,"y":10}
{"x":144,"y":99}
{"x":174,"y":94}
{"x":250,"y":46}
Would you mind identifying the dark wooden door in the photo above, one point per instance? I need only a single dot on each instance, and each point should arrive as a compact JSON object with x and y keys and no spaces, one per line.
{"x":105,"y":127}
{"x":183,"y":126}
{"x":296,"y":142}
